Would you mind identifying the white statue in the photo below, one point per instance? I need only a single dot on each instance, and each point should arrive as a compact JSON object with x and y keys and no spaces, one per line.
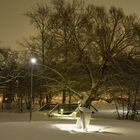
{"x":85,"y":115}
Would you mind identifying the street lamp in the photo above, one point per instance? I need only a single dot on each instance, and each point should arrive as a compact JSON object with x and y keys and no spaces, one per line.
{"x":33,"y":62}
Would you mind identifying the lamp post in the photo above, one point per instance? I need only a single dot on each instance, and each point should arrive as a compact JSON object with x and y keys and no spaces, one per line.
{"x":33,"y":62}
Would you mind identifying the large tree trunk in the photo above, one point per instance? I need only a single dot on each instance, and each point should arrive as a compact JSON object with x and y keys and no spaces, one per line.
{"x":95,"y":86}
{"x":93,"y":94}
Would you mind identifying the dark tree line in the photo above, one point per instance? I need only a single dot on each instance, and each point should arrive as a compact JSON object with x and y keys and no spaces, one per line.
{"x":80,"y":48}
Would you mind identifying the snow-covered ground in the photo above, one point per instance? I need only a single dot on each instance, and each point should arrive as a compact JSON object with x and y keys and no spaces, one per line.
{"x":15,"y":126}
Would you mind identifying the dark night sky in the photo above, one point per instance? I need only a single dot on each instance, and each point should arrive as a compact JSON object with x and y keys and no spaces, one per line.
{"x":14,"y":26}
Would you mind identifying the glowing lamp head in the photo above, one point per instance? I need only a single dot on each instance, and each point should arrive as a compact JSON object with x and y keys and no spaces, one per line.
{"x":33,"y":60}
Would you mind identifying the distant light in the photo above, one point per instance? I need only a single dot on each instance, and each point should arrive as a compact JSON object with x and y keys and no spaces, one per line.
{"x":1,"y":98}
{"x":61,"y":111}
{"x":33,"y":60}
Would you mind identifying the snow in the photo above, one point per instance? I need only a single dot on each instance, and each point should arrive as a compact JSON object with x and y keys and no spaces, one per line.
{"x":15,"y":126}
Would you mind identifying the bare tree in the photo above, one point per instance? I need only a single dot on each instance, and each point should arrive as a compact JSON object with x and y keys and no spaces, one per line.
{"x":39,"y":18}
{"x":103,"y":38}
{"x":89,"y":38}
